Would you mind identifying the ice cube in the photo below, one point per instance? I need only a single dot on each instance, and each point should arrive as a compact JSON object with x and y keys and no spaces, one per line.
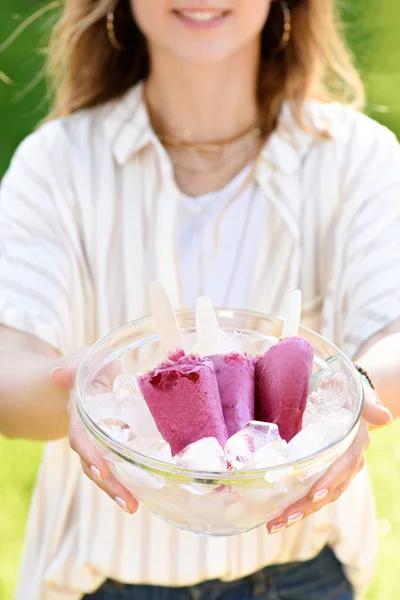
{"x":310,"y":439}
{"x":337,"y":421}
{"x":333,"y":390}
{"x":142,"y":421}
{"x":204,"y":455}
{"x":125,"y":386}
{"x":133,"y":411}
{"x":101,"y":406}
{"x":329,"y":416}
{"x":331,"y":396}
{"x":262,"y":433}
{"x":239,"y":449}
{"x":116,"y":429}
{"x":272,"y":455}
{"x":313,"y":412}
{"x":155,"y":448}
{"x":339,"y":416}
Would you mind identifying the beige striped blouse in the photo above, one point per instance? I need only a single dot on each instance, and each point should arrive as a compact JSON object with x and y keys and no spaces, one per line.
{"x":90,"y":214}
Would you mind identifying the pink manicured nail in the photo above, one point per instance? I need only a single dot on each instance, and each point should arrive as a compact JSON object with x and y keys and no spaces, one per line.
{"x":295,"y":517}
{"x":96,"y":472}
{"x":122,"y":504}
{"x":320,"y":495}
{"x":277,"y":527}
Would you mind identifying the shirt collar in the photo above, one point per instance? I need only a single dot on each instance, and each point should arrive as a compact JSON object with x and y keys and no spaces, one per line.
{"x":127,"y":125}
{"x":128,"y":130}
{"x":289,"y":144}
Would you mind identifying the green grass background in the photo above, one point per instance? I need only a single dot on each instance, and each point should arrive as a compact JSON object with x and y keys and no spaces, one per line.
{"x":372,"y":30}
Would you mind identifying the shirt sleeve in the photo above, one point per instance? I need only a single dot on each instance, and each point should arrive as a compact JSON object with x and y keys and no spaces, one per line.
{"x":369,"y":283}
{"x":37,"y":242}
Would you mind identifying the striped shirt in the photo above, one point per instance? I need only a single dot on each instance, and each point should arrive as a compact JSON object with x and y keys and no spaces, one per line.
{"x":90,"y":214}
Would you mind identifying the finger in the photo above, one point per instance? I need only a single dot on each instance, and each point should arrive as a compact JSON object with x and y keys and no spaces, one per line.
{"x":114,"y":489}
{"x":297,"y":514}
{"x":81,"y":444}
{"x":95,"y":467}
{"x":345,"y":465}
{"x":321,"y":493}
{"x":304,"y":508}
{"x":374,"y":411}
{"x":64,"y":375}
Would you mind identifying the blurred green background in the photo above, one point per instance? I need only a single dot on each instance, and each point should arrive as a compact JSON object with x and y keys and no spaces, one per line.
{"x":372,"y":28}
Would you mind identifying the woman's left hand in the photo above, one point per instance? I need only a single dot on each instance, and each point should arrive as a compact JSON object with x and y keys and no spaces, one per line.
{"x":339,"y":476}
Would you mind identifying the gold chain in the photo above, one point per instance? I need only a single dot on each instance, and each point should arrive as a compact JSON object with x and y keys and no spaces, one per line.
{"x":212,"y":146}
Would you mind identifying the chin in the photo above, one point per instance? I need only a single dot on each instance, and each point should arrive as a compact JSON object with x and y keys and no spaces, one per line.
{"x":205,"y":55}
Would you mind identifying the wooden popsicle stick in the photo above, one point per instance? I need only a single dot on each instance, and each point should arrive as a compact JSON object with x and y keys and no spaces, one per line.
{"x":164,"y":316}
{"x":293,"y":313}
{"x":208,"y":332}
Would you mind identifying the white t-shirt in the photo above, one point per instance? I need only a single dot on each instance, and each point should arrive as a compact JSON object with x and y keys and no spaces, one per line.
{"x":219,"y":236}
{"x":90,"y":215}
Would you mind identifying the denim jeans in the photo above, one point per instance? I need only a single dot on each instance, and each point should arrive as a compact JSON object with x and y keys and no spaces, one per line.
{"x":321,"y":578}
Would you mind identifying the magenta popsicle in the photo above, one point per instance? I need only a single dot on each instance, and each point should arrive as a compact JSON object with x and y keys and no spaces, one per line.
{"x":184,"y":400}
{"x":282,"y":380}
{"x":235,"y":376}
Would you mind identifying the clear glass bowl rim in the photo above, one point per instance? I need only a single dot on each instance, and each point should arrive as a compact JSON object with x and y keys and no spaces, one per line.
{"x":143,"y":461}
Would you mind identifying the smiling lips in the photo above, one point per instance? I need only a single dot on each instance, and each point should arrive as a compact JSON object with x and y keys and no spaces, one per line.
{"x":201,"y":16}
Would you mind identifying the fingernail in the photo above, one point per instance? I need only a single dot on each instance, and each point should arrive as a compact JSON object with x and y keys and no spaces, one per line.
{"x":295,"y":517}
{"x":320,"y":495}
{"x":96,"y":472}
{"x":122,"y":504}
{"x":385,"y":410}
{"x":277,"y":527}
{"x":56,"y":371}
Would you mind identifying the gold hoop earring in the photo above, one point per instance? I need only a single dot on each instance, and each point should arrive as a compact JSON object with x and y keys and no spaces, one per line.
{"x":111,"y":32}
{"x":287,"y":28}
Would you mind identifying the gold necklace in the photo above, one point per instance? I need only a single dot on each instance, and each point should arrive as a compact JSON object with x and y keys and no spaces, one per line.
{"x":212,"y":146}
{"x":242,"y":160}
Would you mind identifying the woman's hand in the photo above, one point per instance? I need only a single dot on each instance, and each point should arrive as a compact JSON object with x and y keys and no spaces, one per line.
{"x":338,"y":478}
{"x":93,"y":465}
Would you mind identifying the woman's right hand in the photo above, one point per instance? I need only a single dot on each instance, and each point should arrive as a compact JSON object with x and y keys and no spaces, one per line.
{"x":93,"y":465}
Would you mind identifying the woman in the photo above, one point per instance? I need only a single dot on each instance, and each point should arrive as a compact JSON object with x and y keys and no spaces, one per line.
{"x":197,"y":142}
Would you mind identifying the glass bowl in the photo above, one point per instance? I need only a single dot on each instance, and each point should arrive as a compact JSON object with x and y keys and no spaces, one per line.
{"x":211,"y":503}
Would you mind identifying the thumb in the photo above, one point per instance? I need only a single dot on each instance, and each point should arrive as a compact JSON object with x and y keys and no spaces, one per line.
{"x":64,"y":374}
{"x":374,"y":411}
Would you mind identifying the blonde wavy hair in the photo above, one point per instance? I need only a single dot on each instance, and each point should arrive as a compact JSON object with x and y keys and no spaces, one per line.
{"x":85,"y":70}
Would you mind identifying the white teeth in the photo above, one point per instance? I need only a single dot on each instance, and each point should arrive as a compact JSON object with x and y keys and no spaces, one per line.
{"x":201,"y":15}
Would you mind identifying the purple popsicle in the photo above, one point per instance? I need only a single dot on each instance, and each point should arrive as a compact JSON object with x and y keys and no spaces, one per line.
{"x":235,"y":376}
{"x":184,"y":400}
{"x":282,"y":380}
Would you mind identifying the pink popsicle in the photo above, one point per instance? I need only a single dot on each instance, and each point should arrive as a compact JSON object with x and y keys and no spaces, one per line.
{"x":235,"y":376}
{"x":283,"y":376}
{"x":184,"y":400}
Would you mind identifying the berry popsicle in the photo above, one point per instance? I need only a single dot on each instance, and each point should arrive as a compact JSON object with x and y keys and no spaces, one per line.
{"x":283,"y":377}
{"x":184,"y":400}
{"x":235,"y":377}
{"x":234,"y":371}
